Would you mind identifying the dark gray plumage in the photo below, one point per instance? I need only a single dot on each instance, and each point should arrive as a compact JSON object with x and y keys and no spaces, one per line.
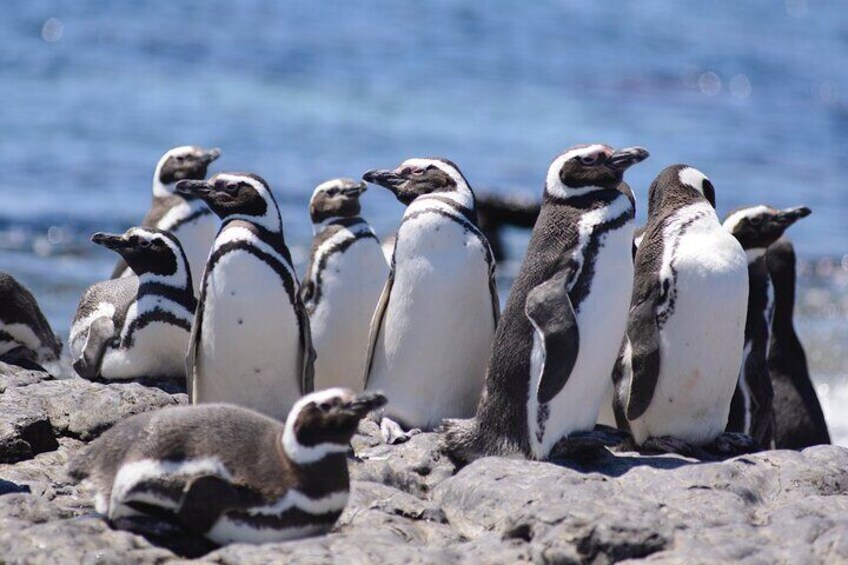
{"x":25,"y":335}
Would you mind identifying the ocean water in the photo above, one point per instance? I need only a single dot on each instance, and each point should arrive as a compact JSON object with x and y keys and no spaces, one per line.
{"x":755,"y":94}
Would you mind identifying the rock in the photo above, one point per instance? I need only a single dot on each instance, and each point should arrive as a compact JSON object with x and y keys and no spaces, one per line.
{"x":24,"y":434}
{"x":82,"y":409}
{"x":12,"y":376}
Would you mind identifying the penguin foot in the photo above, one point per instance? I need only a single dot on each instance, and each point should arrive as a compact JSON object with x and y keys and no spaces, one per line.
{"x":392,"y":433}
{"x":731,"y":444}
{"x":587,"y":445}
{"x":669,"y":444}
{"x":167,"y":534}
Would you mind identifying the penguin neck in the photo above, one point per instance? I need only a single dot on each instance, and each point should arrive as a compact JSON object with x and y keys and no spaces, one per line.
{"x":299,"y":454}
{"x":784,"y":302}
{"x":755,"y":254}
{"x":245,"y":229}
{"x":461,"y":200}
{"x":177,"y":287}
{"x":160,"y":189}
{"x":343,"y":221}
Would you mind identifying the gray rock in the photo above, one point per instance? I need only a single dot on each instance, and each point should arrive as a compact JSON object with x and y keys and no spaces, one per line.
{"x":82,"y":409}
{"x":12,"y":376}
{"x":24,"y":433}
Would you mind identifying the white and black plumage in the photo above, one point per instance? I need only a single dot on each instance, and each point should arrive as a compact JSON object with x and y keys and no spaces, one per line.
{"x":188,"y":218}
{"x":136,"y":326}
{"x":756,"y":228}
{"x":433,"y":327}
{"x":687,"y":319}
{"x":229,"y":473}
{"x":565,"y":317}
{"x":799,"y":420}
{"x":346,"y":274}
{"x":25,"y":335}
{"x":250,"y":342}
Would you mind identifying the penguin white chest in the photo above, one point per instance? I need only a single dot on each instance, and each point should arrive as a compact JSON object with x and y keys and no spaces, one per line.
{"x":250,"y":340}
{"x":601,"y":320}
{"x":433,"y":345}
{"x":702,"y":329}
{"x":350,"y":286}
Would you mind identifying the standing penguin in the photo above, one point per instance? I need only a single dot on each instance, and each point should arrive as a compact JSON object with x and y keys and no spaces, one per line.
{"x":799,"y":420}
{"x":188,"y":218}
{"x":343,"y":283}
{"x":756,"y":228}
{"x":565,"y":317}
{"x":686,"y":327}
{"x":228,"y":473}
{"x":432,"y":331}
{"x":250,"y":343}
{"x":26,"y":338}
{"x":136,"y":326}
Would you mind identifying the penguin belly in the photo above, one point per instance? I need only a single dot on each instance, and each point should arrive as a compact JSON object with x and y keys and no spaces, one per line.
{"x":701,"y":342}
{"x":602,"y":322}
{"x":351,"y":284}
{"x":250,"y":338}
{"x":433,"y":347}
{"x":197,"y":238}
{"x":157,"y":350}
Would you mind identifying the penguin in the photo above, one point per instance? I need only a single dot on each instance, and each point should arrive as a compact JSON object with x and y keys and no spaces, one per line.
{"x":565,"y":316}
{"x":26,"y":338}
{"x":434,"y":323}
{"x":495,"y":212}
{"x":250,"y":343}
{"x":226,"y":472}
{"x":343,"y":283}
{"x":799,"y":420}
{"x":137,"y":326}
{"x":188,"y":218}
{"x":685,"y":331}
{"x":756,"y":228}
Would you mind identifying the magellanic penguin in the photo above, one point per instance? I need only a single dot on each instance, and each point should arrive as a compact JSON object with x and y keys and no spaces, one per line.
{"x":565,"y":317}
{"x":250,"y":343}
{"x":343,"y":283}
{"x":432,"y":331}
{"x":25,"y":335}
{"x":799,"y":420}
{"x":229,"y":473}
{"x":686,"y":327}
{"x":136,"y":326}
{"x":187,"y":217}
{"x":756,"y":228}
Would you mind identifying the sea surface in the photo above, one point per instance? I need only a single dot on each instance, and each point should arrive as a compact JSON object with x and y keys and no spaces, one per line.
{"x":92,"y":92}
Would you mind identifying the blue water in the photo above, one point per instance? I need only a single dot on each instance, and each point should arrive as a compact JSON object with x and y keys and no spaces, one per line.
{"x":92,"y":92}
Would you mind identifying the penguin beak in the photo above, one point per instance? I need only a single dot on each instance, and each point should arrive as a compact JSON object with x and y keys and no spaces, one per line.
{"x":355,"y":189}
{"x":198,"y":188}
{"x":789,"y":216}
{"x":623,"y":159}
{"x":366,"y":402}
{"x":109,"y":241}
{"x":210,"y":155}
{"x":385,"y":178}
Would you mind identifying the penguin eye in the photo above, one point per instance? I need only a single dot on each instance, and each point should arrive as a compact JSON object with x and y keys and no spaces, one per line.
{"x":231,"y":188}
{"x":333,"y":192}
{"x":144,"y":243}
{"x":756,"y":220}
{"x":589,"y":159}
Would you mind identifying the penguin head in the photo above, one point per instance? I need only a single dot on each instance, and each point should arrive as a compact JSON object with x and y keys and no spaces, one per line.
{"x":185,"y":162}
{"x":149,"y":251}
{"x":323,"y":422}
{"x":678,"y":185}
{"x":757,"y":227}
{"x":336,"y":198}
{"x":419,"y":177}
{"x":236,"y":196}
{"x":584,"y":168}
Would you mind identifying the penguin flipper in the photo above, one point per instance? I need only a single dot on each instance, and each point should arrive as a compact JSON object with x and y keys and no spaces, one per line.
{"x":307,"y":354}
{"x":493,"y":292}
{"x":194,"y":343}
{"x":100,"y":332}
{"x":645,"y":353}
{"x":549,"y":309}
{"x":376,"y":324}
{"x":207,"y":497}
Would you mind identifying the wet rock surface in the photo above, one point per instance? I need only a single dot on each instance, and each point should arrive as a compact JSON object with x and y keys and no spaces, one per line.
{"x":410,"y":504}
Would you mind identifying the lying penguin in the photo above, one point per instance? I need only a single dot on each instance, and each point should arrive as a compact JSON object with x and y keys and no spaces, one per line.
{"x":136,"y":326}
{"x":228,"y":473}
{"x":26,"y":338}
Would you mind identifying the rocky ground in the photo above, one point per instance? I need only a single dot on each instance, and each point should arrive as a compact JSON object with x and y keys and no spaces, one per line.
{"x":410,"y":504}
